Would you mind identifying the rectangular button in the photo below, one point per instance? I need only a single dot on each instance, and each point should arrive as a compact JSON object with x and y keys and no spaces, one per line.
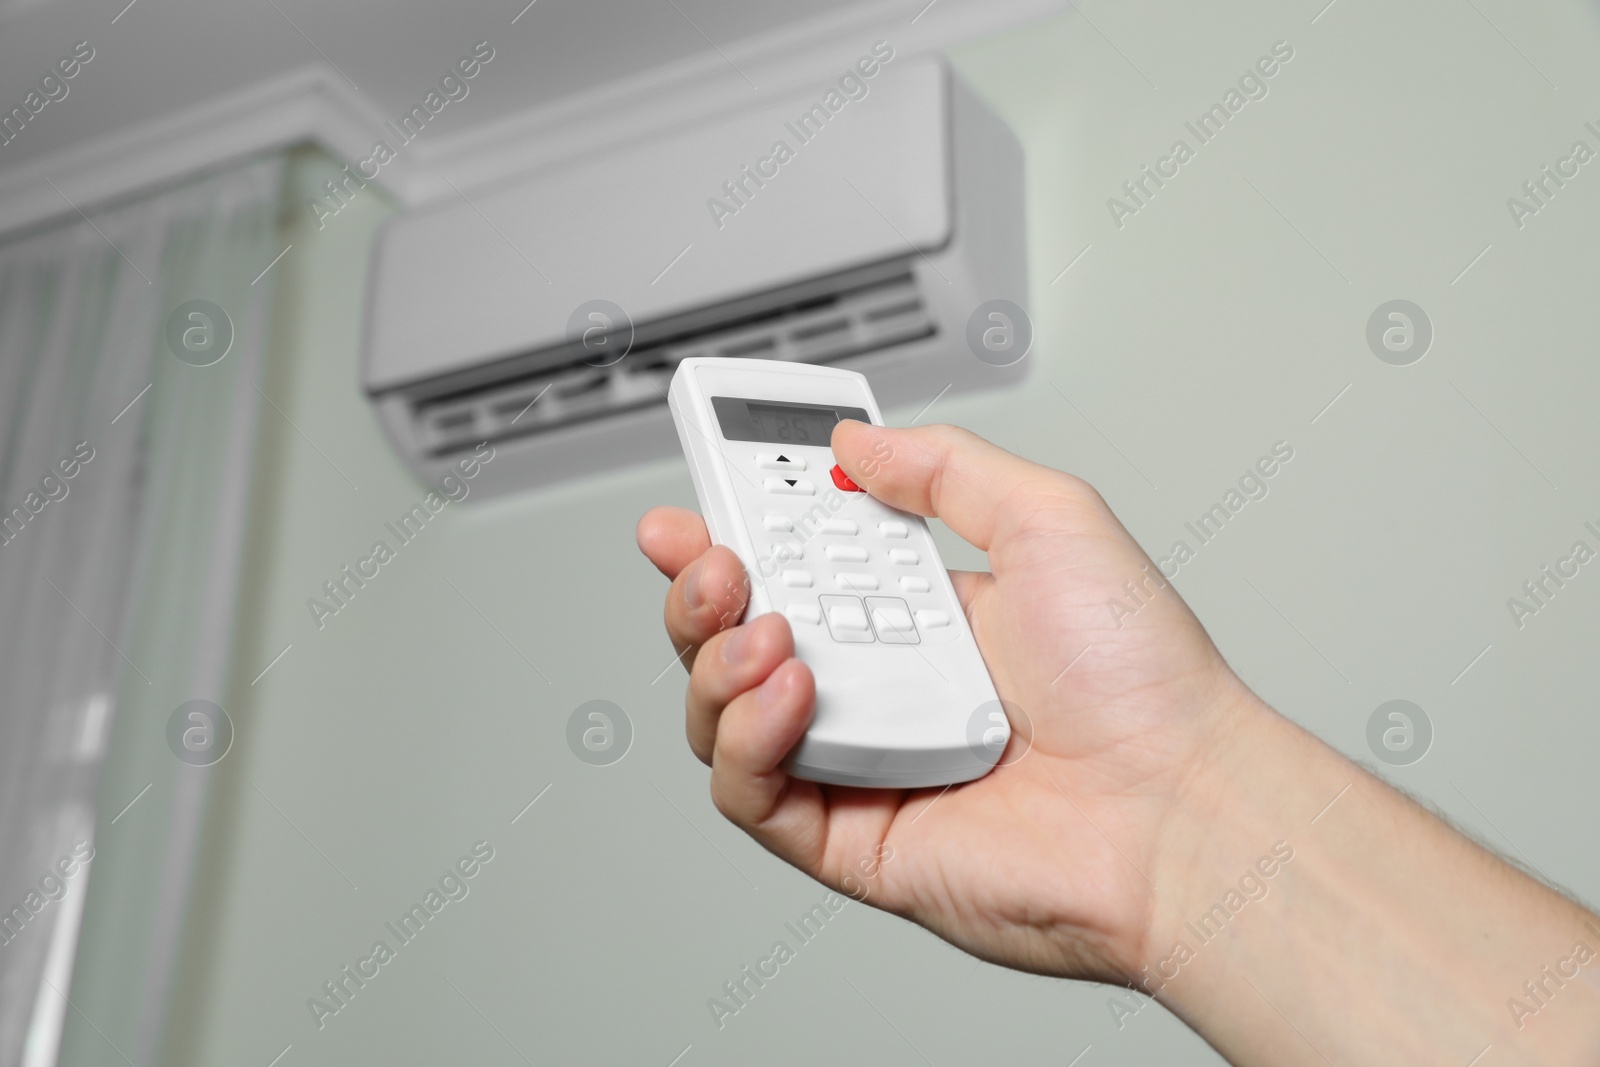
{"x":930,"y":620}
{"x":892,"y":529}
{"x":839,"y":528}
{"x":846,"y":553}
{"x":779,"y":461}
{"x":807,"y":613}
{"x":789,"y":487}
{"x":904,"y":556}
{"x":847,"y":619}
{"x":797,"y":579}
{"x":891,"y":620}
{"x":855,"y":581}
{"x":911,"y":584}
{"x":778,"y":523}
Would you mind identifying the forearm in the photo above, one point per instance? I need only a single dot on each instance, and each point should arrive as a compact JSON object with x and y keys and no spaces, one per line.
{"x":1386,"y":937}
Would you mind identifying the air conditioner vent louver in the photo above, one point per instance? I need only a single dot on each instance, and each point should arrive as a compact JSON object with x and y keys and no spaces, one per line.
{"x":853,"y":313}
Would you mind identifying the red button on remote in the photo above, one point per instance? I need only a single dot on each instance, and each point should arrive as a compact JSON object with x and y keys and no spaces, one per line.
{"x":842,"y":480}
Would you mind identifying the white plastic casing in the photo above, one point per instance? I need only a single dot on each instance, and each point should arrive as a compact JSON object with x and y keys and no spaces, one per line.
{"x":897,"y":706}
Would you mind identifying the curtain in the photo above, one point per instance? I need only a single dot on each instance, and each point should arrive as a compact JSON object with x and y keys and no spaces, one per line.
{"x":130,"y":342}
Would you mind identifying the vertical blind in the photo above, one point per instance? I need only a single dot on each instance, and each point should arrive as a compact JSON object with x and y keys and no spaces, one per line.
{"x":130,"y":344}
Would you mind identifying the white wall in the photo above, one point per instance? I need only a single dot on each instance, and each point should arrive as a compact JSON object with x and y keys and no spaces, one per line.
{"x":1204,"y":330}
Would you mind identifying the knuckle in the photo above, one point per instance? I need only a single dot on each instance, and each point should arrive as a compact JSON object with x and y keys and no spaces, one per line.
{"x":1051,"y":502}
{"x":948,"y":440}
{"x":943,"y":431}
{"x":720,"y":798}
{"x":1076,"y":488}
{"x":704,"y":681}
{"x":697,"y":742}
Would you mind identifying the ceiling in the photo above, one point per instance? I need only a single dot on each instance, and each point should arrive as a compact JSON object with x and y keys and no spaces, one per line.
{"x":176,"y":85}
{"x":165,"y":55}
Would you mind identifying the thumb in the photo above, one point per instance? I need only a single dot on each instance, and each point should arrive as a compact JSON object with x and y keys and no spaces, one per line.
{"x":984,"y":493}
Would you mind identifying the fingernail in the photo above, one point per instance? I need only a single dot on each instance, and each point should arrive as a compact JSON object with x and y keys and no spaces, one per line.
{"x":693,"y":595}
{"x":737,"y":646}
{"x":773,"y":689}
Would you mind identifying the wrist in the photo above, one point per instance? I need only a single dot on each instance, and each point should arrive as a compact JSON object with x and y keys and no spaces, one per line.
{"x":1292,"y":884}
{"x":1231,"y":835}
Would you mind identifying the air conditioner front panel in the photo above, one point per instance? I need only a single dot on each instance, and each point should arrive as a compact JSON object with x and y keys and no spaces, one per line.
{"x":633,"y":226}
{"x":874,"y":249}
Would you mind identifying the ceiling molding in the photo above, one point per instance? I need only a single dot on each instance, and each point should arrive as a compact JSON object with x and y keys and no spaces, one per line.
{"x":308,"y":104}
{"x":315,"y":104}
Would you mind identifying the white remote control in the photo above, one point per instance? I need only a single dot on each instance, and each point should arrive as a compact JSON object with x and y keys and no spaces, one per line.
{"x":903,"y":696}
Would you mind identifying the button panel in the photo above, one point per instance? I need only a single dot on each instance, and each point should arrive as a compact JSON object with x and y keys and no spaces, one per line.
{"x":840,"y":565}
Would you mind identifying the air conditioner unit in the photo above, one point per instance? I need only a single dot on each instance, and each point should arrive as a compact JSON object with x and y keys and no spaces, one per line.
{"x":546,"y":316}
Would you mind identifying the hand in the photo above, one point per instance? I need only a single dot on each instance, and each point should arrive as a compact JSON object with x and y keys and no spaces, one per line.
{"x":1049,"y":863}
{"x":1151,"y":765}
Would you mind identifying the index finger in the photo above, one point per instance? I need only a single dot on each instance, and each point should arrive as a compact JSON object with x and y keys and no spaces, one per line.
{"x":709,"y":588}
{"x":672,"y":538}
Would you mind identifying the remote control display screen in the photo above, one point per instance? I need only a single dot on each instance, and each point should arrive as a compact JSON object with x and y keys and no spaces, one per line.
{"x":779,"y":423}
